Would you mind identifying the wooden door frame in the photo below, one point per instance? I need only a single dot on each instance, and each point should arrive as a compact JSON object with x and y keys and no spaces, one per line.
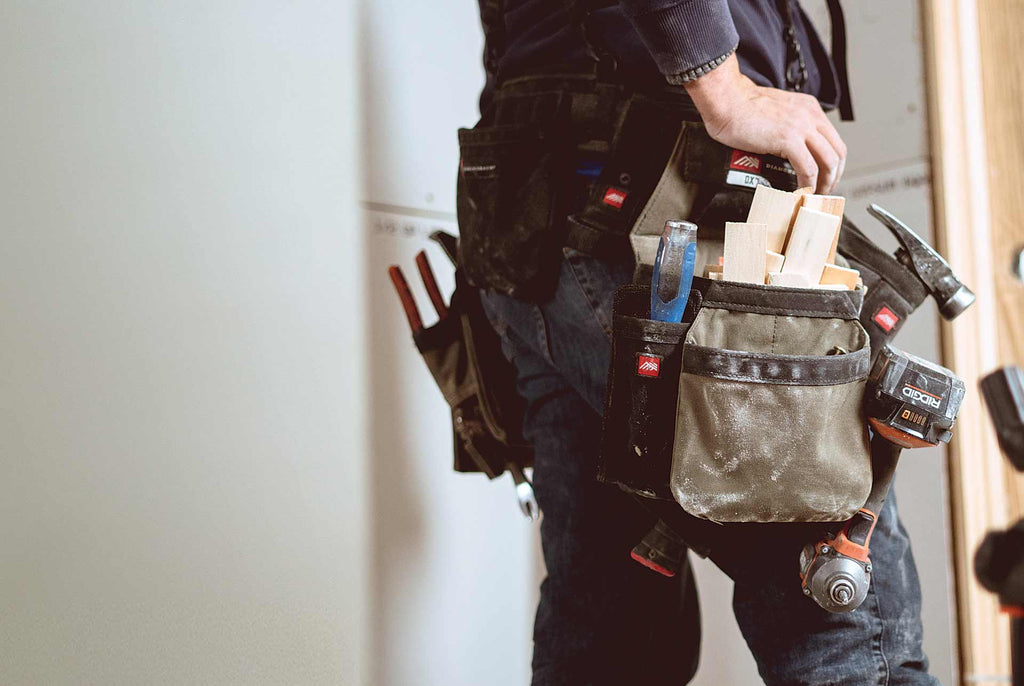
{"x":968,"y":174}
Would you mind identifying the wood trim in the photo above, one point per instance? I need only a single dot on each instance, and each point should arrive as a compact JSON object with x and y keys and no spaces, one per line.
{"x":960,"y":165}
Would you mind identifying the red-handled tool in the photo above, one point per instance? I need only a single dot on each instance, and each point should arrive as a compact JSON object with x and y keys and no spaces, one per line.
{"x":427,"y":274}
{"x":405,"y":295}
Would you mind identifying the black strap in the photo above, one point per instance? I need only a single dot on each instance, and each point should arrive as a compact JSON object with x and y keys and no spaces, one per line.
{"x":789,"y":370}
{"x":835,"y":12}
{"x":492,"y":18}
{"x":579,"y":15}
{"x":796,"y":66}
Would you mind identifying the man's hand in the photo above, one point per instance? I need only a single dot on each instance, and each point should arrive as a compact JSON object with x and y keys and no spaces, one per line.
{"x":745,"y":116}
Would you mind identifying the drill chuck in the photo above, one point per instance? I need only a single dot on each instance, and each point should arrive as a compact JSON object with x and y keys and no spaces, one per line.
{"x":834,"y":581}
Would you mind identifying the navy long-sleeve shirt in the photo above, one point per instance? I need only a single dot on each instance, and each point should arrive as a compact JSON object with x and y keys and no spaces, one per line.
{"x":670,"y":37}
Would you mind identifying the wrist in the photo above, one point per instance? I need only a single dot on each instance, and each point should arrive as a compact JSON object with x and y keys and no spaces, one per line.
{"x":716,"y":93}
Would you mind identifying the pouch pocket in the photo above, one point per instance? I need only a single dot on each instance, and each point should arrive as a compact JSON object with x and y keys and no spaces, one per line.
{"x":464,"y":356}
{"x":639,"y":417}
{"x":647,"y":137}
{"x":511,"y":207}
{"x":769,"y":421}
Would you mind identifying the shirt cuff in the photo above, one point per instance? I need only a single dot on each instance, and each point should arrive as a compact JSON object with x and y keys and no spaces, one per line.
{"x":686,"y":38}
{"x":697,"y":72}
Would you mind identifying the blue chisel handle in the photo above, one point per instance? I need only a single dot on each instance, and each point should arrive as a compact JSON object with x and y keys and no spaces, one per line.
{"x":673,"y":271}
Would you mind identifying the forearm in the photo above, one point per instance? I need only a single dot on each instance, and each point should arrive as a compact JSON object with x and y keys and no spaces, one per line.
{"x":686,"y":38}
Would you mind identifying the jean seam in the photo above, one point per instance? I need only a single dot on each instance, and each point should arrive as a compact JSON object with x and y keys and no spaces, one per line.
{"x":588,"y":294}
{"x":543,"y":337}
{"x":876,"y":617}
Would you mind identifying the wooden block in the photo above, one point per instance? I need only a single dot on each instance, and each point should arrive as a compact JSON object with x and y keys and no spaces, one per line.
{"x":712,"y":269}
{"x":744,"y":252}
{"x":809,"y":244}
{"x":773,"y":261}
{"x":841,"y":276}
{"x":829,"y":204}
{"x":804,"y":191}
{"x":776,"y":210}
{"x":715,"y":276}
{"x":788,"y":280}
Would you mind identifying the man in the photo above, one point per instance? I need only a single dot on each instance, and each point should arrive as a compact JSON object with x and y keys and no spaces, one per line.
{"x":602,"y":618}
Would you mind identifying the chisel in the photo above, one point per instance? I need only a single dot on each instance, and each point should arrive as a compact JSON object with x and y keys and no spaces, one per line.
{"x":673,"y":271}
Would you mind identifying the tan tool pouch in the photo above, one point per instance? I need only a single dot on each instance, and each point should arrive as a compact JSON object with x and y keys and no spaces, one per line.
{"x":769,"y":425}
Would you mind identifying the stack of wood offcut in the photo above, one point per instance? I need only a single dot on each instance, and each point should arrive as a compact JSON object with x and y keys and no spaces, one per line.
{"x":789,"y":239}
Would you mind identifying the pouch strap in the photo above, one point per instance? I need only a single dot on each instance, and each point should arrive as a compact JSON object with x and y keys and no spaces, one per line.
{"x":795,"y":370}
{"x":801,"y":302}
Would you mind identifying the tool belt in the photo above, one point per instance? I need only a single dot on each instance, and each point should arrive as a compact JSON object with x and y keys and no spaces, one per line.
{"x":747,"y":411}
{"x":770,"y":432}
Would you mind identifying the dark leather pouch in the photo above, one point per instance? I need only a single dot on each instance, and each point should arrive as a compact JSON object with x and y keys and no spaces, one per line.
{"x":463,"y":354}
{"x":643,"y":382}
{"x":511,"y":196}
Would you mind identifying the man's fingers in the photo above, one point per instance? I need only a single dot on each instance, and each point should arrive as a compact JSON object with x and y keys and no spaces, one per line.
{"x":828,"y":162}
{"x":835,"y":140}
{"x":803,"y":163}
{"x":826,"y":129}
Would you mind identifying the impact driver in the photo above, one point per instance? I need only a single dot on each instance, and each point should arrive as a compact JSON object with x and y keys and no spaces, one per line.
{"x":910,"y":403}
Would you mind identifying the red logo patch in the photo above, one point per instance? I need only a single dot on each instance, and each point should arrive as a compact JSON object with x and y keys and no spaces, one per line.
{"x":615,"y":197}
{"x":648,"y":365}
{"x":745,"y":161}
{"x":886,"y":319}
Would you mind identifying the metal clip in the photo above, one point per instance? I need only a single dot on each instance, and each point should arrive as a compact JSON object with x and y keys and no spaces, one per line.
{"x":524,"y":492}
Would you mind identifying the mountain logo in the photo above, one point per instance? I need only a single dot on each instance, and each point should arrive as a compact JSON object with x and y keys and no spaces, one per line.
{"x":648,"y":365}
{"x":745,"y":161}
{"x":615,"y":197}
{"x":886,"y":319}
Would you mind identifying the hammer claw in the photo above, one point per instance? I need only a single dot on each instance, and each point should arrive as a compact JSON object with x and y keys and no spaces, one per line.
{"x":951,"y":295}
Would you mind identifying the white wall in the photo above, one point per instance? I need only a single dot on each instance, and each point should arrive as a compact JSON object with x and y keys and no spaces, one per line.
{"x":455,"y":563}
{"x":182,"y":426}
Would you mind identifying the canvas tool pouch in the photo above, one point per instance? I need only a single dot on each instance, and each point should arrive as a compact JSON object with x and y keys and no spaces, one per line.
{"x":464,"y":356}
{"x":769,"y":424}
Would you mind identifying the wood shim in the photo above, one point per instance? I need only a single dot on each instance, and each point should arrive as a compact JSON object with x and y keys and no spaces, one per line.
{"x":809,"y":244}
{"x":744,"y":252}
{"x":775,"y":209}
{"x":712,"y":269}
{"x":788,"y":280}
{"x":829,"y":204}
{"x":773,"y":261}
{"x":834,"y":275}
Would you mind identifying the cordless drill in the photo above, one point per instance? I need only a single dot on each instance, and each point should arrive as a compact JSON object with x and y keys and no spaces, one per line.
{"x":910,"y":403}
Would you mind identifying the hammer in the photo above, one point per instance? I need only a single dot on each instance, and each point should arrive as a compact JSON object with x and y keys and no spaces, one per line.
{"x":952,"y":296}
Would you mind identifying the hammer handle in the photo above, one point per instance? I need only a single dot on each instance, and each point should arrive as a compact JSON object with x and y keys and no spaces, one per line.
{"x":405,"y":295}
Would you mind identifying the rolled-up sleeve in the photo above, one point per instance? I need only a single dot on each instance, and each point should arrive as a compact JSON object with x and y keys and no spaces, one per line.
{"x":686,"y":38}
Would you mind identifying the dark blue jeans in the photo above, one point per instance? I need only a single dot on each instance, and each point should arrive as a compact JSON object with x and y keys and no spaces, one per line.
{"x":603,"y":618}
